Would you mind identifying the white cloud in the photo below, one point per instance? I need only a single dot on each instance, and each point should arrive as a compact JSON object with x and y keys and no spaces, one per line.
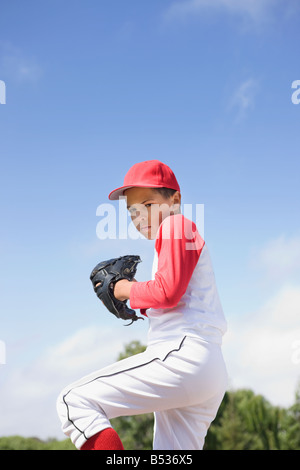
{"x":29,"y":393}
{"x":243,"y":99}
{"x":279,"y":260}
{"x":262,"y":349}
{"x":254,"y":10}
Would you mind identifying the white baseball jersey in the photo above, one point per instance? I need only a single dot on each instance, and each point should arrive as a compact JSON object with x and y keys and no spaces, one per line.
{"x":182,"y":294}
{"x":181,"y":376}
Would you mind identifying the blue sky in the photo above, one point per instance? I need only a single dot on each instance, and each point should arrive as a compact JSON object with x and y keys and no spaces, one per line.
{"x":94,"y":87}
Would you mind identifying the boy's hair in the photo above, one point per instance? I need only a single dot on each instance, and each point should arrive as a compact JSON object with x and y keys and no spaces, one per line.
{"x":165,"y":192}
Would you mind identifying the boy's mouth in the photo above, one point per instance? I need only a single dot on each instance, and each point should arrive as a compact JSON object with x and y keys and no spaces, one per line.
{"x":145,"y":228}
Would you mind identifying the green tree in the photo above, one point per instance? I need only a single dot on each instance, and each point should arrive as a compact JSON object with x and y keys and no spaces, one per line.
{"x":33,"y":443}
{"x":229,"y":431}
{"x":264,"y":420}
{"x":246,"y":421}
{"x":290,"y":433}
{"x":132,"y":348}
{"x":136,"y":432}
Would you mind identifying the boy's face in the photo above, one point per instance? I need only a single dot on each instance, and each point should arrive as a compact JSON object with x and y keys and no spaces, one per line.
{"x":148,"y":209}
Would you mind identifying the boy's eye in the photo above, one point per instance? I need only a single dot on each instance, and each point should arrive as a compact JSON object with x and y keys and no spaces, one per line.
{"x":133,"y":210}
{"x":141,"y":209}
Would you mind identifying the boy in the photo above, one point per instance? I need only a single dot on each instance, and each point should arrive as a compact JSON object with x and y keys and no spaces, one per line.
{"x":181,"y":376}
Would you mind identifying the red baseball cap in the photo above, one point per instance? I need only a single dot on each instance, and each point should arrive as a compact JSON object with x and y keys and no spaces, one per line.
{"x":148,"y":174}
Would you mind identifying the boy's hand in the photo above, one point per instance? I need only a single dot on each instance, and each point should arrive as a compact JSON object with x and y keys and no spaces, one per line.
{"x":122,"y":289}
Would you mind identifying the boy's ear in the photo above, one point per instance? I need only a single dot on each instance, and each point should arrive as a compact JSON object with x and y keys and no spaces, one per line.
{"x":176,"y":203}
{"x":176,"y":198}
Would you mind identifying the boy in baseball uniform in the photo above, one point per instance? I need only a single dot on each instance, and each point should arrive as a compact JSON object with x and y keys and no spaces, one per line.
{"x":181,"y":377}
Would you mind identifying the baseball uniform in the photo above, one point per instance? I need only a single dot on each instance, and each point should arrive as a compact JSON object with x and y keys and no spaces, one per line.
{"x":181,"y":376}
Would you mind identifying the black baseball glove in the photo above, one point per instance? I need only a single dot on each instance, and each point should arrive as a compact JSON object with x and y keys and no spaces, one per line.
{"x":106,"y":274}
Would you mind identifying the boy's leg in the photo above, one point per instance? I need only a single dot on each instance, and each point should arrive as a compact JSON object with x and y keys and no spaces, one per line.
{"x":140,"y":384}
{"x":107,"y":439}
{"x":185,"y":428}
{"x":135,"y":385}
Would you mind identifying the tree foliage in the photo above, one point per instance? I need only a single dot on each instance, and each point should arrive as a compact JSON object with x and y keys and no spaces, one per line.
{"x":33,"y":443}
{"x":245,"y":421}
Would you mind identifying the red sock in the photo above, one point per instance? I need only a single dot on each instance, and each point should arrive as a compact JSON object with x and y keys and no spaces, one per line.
{"x":107,"y":439}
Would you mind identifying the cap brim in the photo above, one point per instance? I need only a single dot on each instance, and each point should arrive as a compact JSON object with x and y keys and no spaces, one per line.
{"x":116,"y":193}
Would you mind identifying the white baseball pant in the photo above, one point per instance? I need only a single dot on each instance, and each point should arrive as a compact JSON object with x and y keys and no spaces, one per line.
{"x":182,"y":382}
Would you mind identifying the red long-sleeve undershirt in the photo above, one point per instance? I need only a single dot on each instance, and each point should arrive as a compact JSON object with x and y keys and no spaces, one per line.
{"x":176,"y":263}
